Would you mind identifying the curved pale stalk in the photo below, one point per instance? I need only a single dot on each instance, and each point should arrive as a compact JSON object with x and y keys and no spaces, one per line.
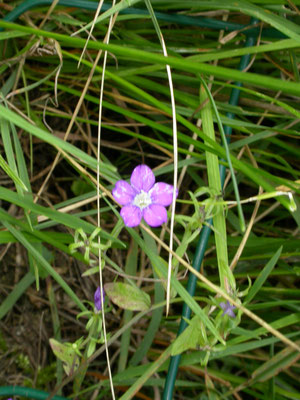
{"x":111,"y":21}
{"x":175,"y":147}
{"x":106,"y":41}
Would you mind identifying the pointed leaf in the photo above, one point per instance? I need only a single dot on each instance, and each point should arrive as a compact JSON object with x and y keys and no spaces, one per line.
{"x":66,"y":354}
{"x":278,"y":363}
{"x":190,"y":338}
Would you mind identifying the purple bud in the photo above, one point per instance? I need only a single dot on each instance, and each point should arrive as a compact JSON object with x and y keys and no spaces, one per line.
{"x":98,"y":300}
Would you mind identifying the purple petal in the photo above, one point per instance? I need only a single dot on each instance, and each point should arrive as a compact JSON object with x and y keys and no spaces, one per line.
{"x":123,"y":193}
{"x":99,"y":300}
{"x":162,"y":194}
{"x":230,"y":313}
{"x":131,"y":215}
{"x":142,"y":178}
{"x":155,"y":215}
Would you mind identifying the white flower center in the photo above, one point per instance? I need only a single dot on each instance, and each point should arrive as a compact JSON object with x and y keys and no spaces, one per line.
{"x":142,"y":200}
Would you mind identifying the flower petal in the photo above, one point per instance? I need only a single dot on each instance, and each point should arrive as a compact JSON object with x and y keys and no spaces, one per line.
{"x":230,"y":313}
{"x":142,"y":178}
{"x":123,"y":193}
{"x":131,"y":215}
{"x":155,"y":215}
{"x":162,"y":194}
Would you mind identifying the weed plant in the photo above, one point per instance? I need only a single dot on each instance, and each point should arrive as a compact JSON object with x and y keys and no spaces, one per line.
{"x":77,"y":114}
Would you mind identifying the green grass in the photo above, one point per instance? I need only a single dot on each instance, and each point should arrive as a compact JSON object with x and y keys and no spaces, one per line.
{"x":48,"y":288}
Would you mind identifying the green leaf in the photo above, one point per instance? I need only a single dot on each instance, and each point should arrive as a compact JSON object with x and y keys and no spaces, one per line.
{"x":263,"y":276}
{"x":62,"y":218}
{"x":91,"y":271}
{"x":80,"y":187}
{"x":214,"y":180}
{"x":211,"y":391}
{"x":181,"y":64}
{"x":9,"y":115}
{"x":6,"y":168}
{"x":190,"y":301}
{"x":39,"y":258}
{"x":190,"y":338}
{"x":66,"y":354}
{"x":127,"y":296}
{"x":282,"y":360}
{"x":156,"y":263}
{"x":18,"y":290}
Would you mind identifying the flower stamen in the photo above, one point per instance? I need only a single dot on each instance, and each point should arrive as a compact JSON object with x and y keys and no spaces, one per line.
{"x":142,"y":200}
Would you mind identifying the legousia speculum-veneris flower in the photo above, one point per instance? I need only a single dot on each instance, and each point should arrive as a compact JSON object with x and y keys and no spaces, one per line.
{"x":227,"y":309}
{"x":143,"y":198}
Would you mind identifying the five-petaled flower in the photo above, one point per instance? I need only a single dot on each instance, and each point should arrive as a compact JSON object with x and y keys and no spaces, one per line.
{"x":143,"y":198}
{"x":98,"y":299}
{"x":228,"y":309}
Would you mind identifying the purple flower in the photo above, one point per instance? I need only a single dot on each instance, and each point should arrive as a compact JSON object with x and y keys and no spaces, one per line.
{"x":228,"y":309}
{"x":143,"y":198}
{"x":98,"y":300}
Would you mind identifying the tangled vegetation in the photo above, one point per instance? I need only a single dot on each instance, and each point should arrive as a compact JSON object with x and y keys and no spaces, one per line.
{"x":196,"y":105}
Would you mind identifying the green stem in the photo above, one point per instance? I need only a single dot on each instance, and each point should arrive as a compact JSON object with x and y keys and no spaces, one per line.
{"x":27,"y":392}
{"x":214,"y":182}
